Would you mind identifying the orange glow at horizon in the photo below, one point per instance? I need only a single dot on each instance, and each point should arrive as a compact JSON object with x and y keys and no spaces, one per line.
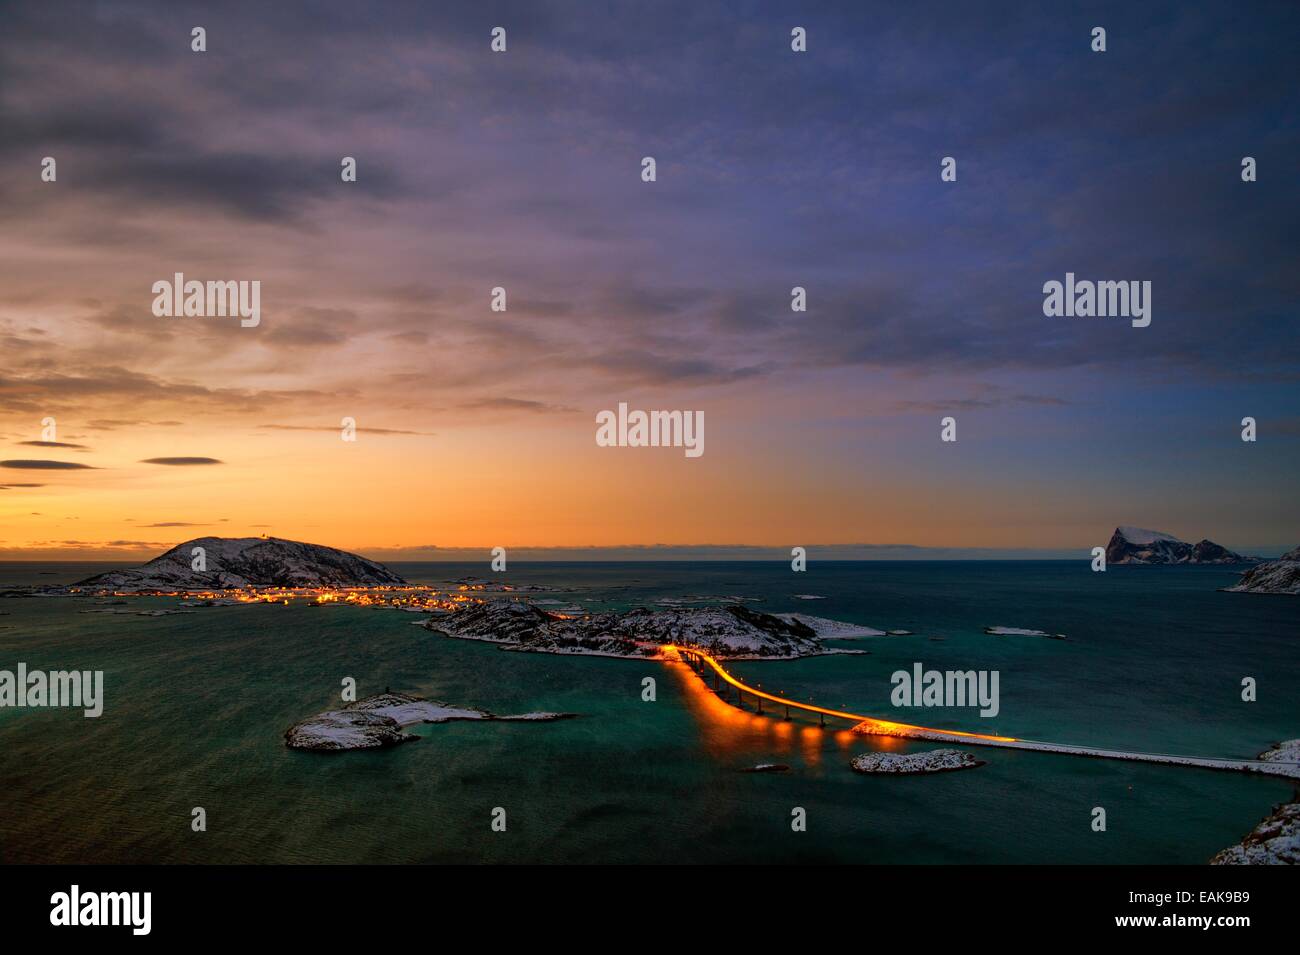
{"x":463,"y":484}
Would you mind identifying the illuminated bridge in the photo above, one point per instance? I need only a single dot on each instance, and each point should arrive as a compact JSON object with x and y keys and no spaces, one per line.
{"x":704,"y":665}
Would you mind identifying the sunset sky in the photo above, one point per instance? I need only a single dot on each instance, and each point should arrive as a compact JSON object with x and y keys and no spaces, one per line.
{"x":522,"y":170}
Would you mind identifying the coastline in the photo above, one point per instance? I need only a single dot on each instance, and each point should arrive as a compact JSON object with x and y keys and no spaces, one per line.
{"x":963,"y":631}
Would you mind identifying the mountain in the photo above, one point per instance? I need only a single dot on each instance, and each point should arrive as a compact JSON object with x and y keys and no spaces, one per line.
{"x":1136,"y":545}
{"x":1281,"y":576}
{"x":234,"y":562}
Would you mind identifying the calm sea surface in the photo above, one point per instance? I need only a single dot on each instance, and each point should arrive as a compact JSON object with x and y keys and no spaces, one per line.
{"x":196,"y":706}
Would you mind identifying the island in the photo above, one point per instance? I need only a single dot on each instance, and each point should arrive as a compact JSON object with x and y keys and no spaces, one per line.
{"x":234,"y":563}
{"x":380,"y":720}
{"x":1022,"y":632}
{"x":733,"y":631}
{"x":1137,"y":545}
{"x":911,"y":764}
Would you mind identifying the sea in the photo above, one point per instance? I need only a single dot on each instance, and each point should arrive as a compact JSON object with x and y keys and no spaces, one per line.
{"x":196,"y":705}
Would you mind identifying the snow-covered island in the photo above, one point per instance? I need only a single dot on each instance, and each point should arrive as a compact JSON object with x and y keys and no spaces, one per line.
{"x":1137,"y":545}
{"x":380,"y":720}
{"x":232,"y":563}
{"x":1022,"y":632}
{"x":1281,"y":576}
{"x":1276,"y":840}
{"x":733,"y":631}
{"x":899,"y":764}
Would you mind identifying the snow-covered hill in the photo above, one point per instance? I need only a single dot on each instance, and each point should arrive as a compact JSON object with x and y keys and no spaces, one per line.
{"x":234,"y":562}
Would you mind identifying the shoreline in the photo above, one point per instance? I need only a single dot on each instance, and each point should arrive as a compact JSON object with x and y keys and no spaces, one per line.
{"x":511,"y":646}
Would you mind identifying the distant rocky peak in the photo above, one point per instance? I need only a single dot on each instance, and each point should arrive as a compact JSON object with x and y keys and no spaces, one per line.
{"x":1137,"y":545}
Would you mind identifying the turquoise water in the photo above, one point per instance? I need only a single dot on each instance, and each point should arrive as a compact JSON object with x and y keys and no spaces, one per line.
{"x":196,"y":705}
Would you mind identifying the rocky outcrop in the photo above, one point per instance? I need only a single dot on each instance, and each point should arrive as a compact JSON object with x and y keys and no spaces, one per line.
{"x":232,"y":563}
{"x":379,"y":721}
{"x":1136,"y":545}
{"x":723,"y":631}
{"x":346,"y":729}
{"x":1287,"y":751}
{"x":1281,"y":576}
{"x":1276,"y":840}
{"x":932,"y":761}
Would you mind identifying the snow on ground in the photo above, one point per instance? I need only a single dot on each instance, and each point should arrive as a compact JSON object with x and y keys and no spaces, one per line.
{"x":1022,"y":632}
{"x":933,"y":761}
{"x":733,"y":630}
{"x":1287,"y":751}
{"x":1140,"y":535}
{"x":1276,"y":840}
{"x":422,"y":711}
{"x":831,"y":629}
{"x":536,"y":716}
{"x":1281,"y":576}
{"x":380,"y":720}
{"x":345,"y":729}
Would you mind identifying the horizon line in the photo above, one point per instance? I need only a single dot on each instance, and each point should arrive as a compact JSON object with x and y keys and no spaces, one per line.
{"x":653,"y":553}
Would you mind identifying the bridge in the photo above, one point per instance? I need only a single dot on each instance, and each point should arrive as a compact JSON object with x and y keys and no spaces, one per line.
{"x":704,"y":664}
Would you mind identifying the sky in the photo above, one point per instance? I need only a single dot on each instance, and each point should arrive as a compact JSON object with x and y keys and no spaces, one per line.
{"x":522,"y":170}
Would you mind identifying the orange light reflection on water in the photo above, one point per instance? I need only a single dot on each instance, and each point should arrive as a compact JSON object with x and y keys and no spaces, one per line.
{"x":731,"y":734}
{"x":866,"y":725}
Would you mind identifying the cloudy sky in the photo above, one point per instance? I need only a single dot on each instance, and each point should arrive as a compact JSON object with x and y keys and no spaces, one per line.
{"x":522,"y":170}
